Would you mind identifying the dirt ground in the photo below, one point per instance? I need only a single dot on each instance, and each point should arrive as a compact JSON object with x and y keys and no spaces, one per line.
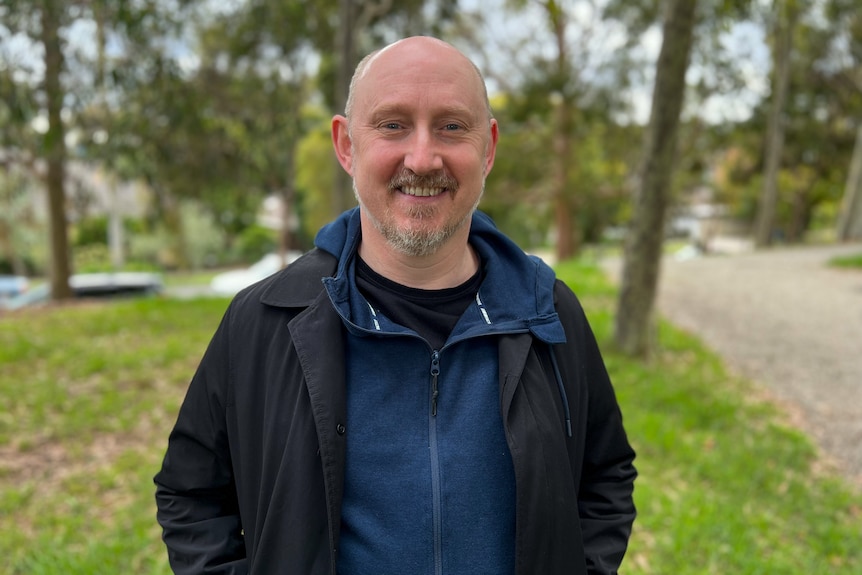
{"x":785,"y":320}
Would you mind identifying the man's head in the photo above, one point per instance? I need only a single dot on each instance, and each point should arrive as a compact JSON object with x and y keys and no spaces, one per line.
{"x":365,"y":63}
{"x":418,"y":140}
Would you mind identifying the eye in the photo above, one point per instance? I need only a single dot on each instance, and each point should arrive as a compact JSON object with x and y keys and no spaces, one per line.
{"x":390,"y":126}
{"x":452,"y":127}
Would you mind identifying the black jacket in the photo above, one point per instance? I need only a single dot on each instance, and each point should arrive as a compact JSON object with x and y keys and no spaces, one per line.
{"x":252,"y":480}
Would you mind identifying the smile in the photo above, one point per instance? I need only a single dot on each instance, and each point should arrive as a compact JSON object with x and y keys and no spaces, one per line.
{"x":422,"y":192}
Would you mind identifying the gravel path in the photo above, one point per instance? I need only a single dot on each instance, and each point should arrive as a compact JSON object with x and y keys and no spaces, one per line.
{"x":785,"y":320}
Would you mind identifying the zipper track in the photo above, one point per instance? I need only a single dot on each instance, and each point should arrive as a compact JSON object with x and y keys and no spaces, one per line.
{"x":436,"y":497}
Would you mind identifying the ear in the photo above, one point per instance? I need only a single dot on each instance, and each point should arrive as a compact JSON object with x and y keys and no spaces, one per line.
{"x":342,"y":144}
{"x":491,"y":149}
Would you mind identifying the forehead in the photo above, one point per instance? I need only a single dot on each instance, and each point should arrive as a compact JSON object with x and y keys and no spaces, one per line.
{"x":421,"y":73}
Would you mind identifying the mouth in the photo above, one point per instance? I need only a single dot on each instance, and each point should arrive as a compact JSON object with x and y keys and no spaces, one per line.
{"x":425,"y":186}
{"x":421,"y":192}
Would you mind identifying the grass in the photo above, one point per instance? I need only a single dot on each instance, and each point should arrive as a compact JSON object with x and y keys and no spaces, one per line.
{"x":88,"y":394}
{"x":193,"y":278}
{"x":726,"y":485}
{"x":850,"y":261}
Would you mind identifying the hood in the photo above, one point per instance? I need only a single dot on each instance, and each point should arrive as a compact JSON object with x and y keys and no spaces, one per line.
{"x":516,"y":295}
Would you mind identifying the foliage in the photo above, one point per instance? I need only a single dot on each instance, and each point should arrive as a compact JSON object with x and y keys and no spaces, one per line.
{"x":225,"y":104}
{"x":57,"y":79}
{"x":253,"y":243}
{"x":518,"y":194}
{"x":852,"y":261}
{"x":315,"y":174}
{"x":93,"y":230}
{"x":22,"y":250}
{"x":204,"y":238}
{"x":819,"y":122}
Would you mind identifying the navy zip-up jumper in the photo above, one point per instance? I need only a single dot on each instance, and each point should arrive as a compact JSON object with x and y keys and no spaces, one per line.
{"x":258,"y":464}
{"x":429,"y":484}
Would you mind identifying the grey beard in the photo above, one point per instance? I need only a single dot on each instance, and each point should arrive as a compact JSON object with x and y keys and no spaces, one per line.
{"x":417,"y":243}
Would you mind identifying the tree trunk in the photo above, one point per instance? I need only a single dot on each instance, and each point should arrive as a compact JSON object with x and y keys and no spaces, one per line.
{"x":7,"y":247}
{"x":798,"y":217}
{"x":55,"y":151}
{"x":850,"y":219}
{"x":346,"y":47}
{"x":568,"y":235}
{"x":174,"y":256}
{"x":115,"y":228}
{"x":287,"y":241}
{"x":775,"y":129}
{"x":568,"y":232}
{"x":642,"y":255}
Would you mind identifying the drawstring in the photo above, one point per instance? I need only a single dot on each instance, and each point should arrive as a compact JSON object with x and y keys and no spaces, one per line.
{"x":562,"y":390}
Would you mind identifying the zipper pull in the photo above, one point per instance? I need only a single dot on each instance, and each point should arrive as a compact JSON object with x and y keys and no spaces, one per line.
{"x":435,"y":371}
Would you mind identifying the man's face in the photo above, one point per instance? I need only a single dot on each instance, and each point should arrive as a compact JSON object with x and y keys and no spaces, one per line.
{"x":420,"y":144}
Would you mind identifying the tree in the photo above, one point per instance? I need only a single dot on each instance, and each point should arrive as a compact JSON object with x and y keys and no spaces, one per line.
{"x":850,"y":218}
{"x":644,"y":241}
{"x":42,"y":21}
{"x":785,"y":21}
{"x":568,"y":236}
{"x":55,"y":149}
{"x":562,"y":85}
{"x":819,"y":122}
{"x":71,"y":83}
{"x":254,"y":81}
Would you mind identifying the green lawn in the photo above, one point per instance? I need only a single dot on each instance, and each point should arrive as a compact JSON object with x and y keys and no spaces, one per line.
{"x":851,"y":261}
{"x":88,"y":394}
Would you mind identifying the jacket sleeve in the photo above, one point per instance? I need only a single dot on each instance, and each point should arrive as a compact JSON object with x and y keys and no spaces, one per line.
{"x":605,"y":495}
{"x":195,"y":492}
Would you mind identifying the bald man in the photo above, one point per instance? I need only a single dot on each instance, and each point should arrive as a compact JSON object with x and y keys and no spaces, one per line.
{"x":415,"y":395}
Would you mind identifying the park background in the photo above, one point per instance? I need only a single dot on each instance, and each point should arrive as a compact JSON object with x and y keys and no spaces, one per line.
{"x":185,"y":136}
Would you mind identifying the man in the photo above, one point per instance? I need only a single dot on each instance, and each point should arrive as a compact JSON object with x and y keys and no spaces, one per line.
{"x":413,"y":396}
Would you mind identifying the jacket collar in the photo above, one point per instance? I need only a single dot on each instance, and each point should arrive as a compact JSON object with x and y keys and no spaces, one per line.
{"x":517,"y":291}
{"x":300,"y":283}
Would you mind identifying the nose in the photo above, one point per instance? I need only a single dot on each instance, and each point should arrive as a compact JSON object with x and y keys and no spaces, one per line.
{"x":423,"y":155}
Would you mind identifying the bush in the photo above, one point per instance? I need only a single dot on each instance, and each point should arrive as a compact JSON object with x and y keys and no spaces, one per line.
{"x":91,"y":231}
{"x":254,"y":242}
{"x":204,"y":238}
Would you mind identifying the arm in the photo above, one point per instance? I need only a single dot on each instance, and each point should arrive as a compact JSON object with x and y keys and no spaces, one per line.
{"x":605,"y":501}
{"x":195,"y":492}
{"x":603,"y":460}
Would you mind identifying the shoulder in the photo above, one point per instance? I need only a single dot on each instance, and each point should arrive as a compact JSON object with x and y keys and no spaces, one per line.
{"x":566,"y":302}
{"x":281,"y":295}
{"x":297,"y":285}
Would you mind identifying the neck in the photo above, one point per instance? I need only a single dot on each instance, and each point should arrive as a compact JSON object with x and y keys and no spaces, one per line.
{"x":450,"y":266}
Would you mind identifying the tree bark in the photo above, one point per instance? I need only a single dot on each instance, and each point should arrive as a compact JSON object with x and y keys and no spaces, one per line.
{"x":642,"y":256}
{"x":55,"y":150}
{"x":287,"y":241}
{"x":346,"y":47}
{"x":850,"y":219}
{"x":775,"y":128}
{"x":567,"y":236}
{"x":565,"y":199}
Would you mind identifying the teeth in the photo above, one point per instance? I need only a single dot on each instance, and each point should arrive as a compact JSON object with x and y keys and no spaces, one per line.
{"x":422,"y":192}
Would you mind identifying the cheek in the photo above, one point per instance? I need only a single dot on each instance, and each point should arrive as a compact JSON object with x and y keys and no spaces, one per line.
{"x":376,"y":162}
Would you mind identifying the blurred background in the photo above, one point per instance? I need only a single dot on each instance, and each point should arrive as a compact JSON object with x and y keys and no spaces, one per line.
{"x":183,"y":147}
{"x":183,"y":134}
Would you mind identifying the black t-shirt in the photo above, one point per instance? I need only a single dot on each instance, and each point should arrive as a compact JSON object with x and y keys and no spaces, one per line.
{"x":430,"y":313}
